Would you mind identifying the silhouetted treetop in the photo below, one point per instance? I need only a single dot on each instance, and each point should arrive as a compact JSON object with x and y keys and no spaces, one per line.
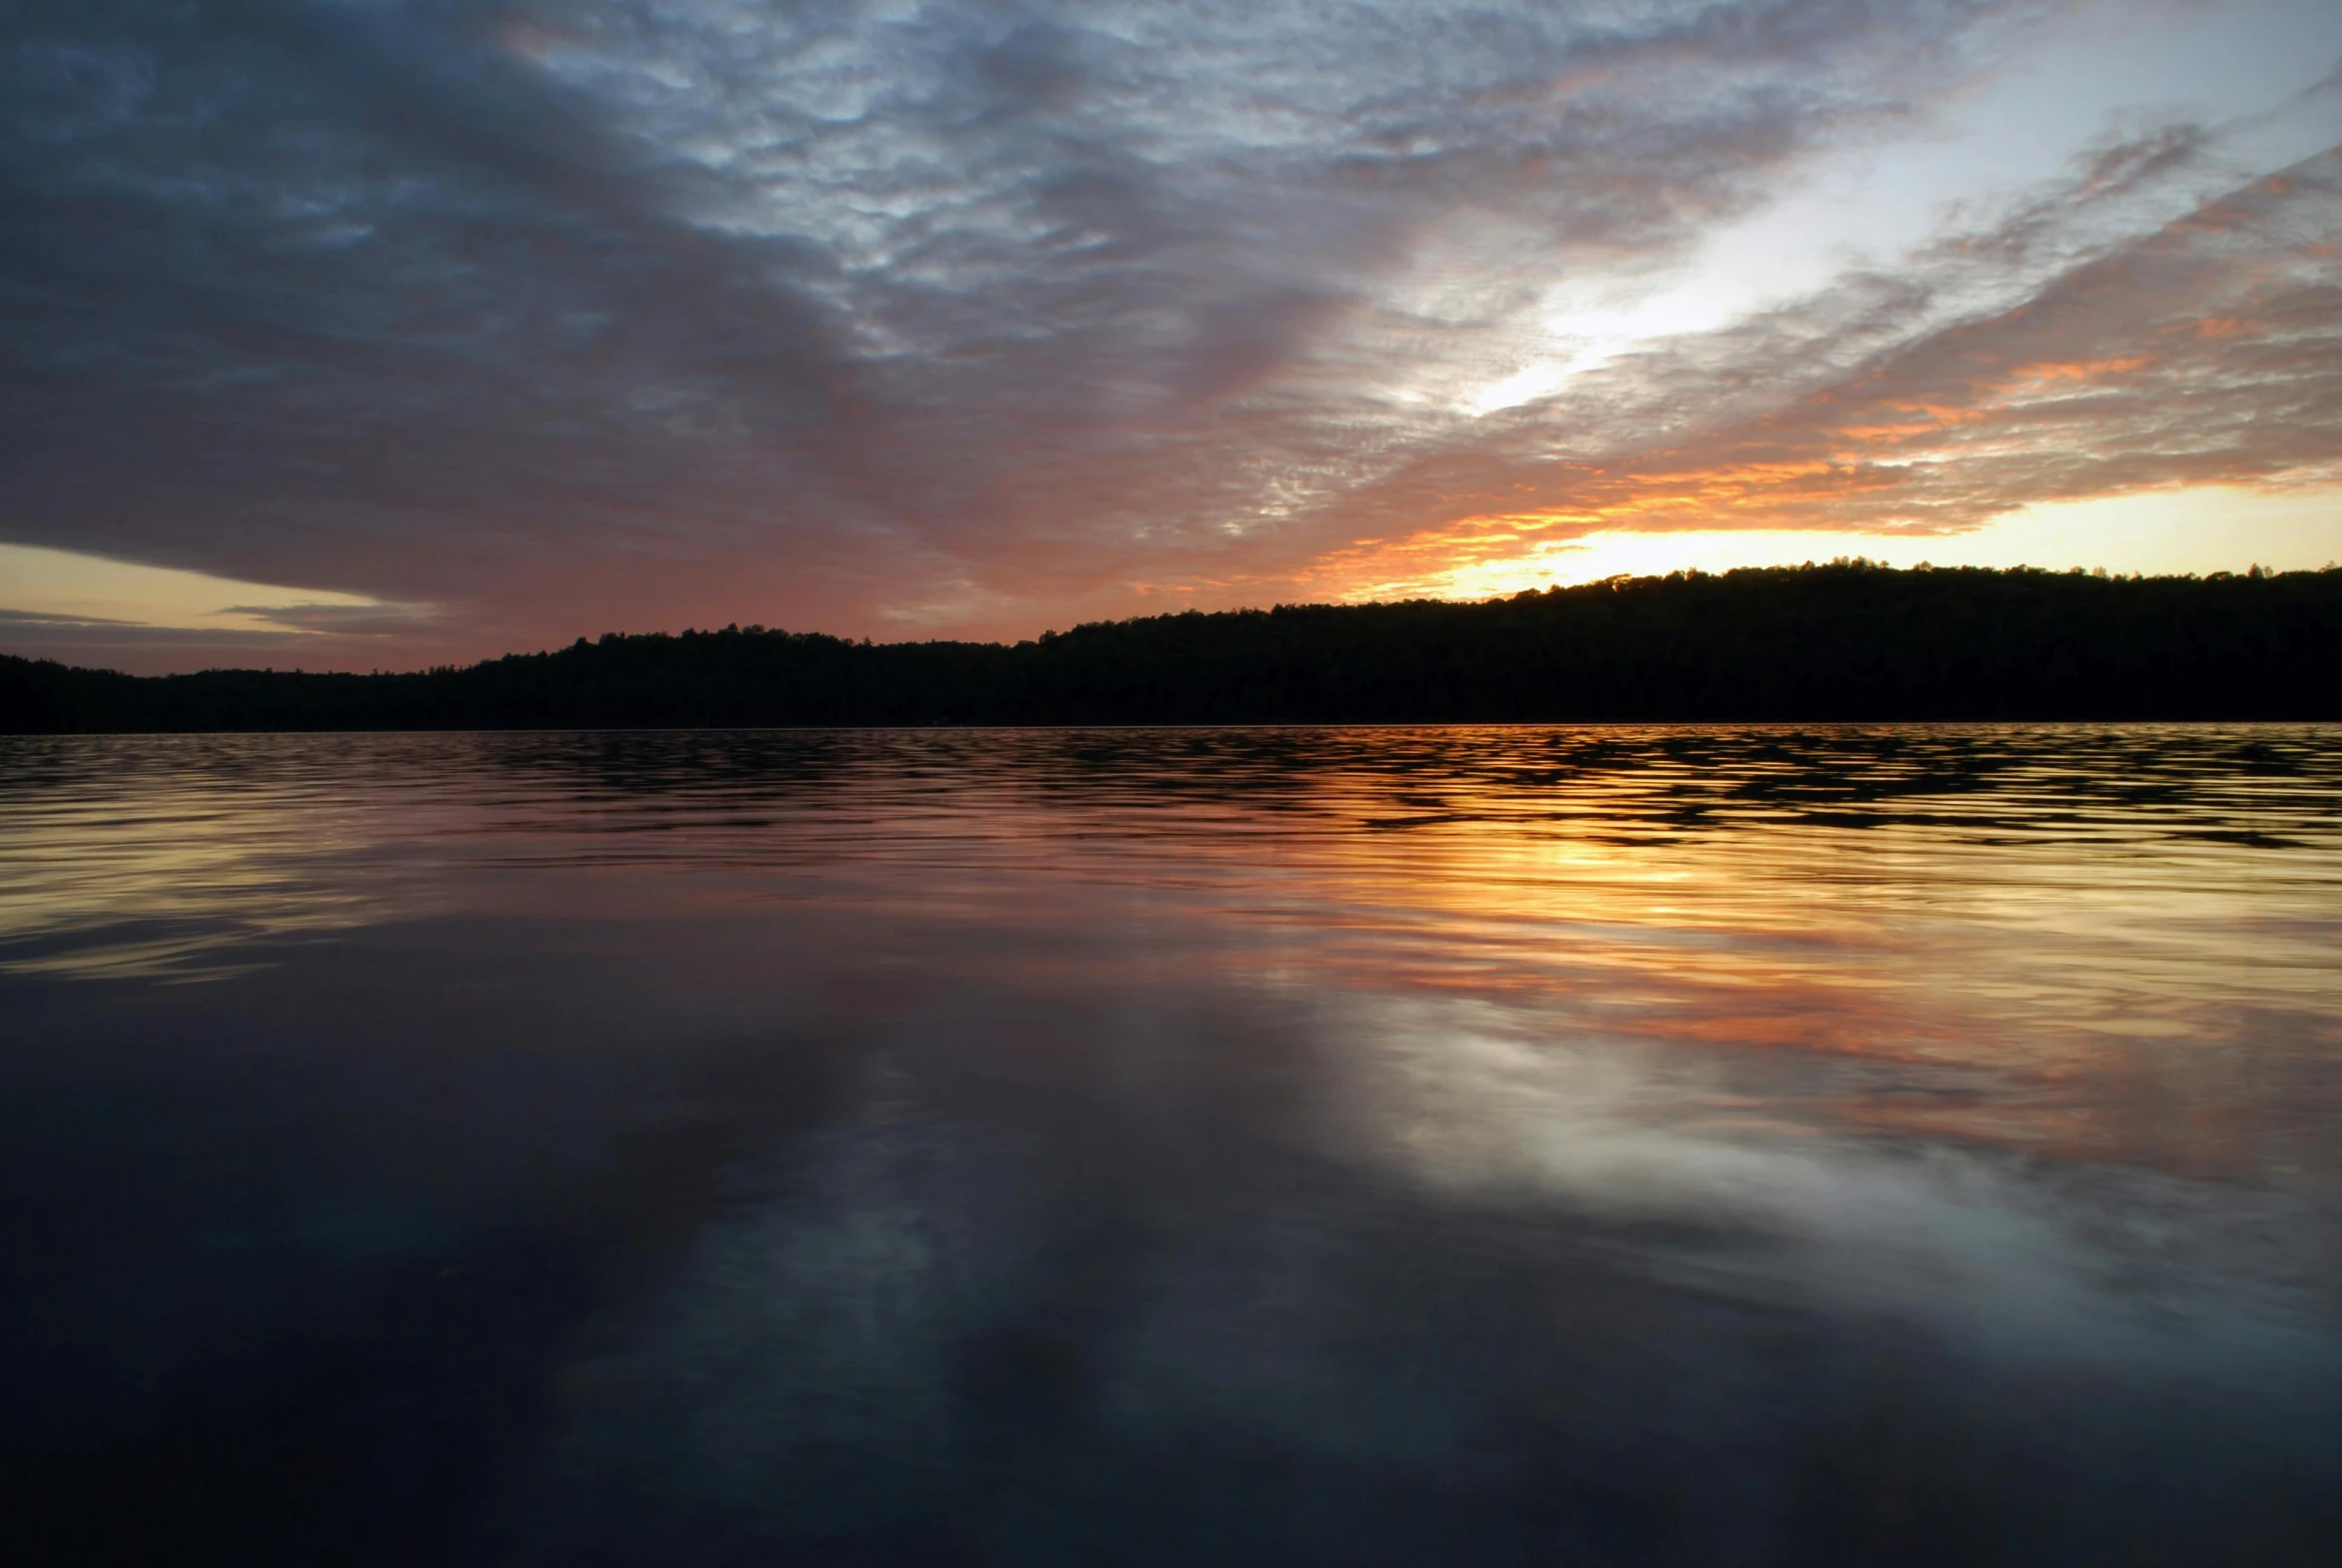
{"x":1848,"y":640}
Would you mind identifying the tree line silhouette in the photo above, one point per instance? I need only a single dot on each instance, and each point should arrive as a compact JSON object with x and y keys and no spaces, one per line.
{"x":1850,"y":641}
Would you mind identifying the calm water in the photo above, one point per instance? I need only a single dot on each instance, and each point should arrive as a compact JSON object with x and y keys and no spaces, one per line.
{"x":1749,"y":1146}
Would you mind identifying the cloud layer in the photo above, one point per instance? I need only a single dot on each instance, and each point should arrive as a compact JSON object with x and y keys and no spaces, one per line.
{"x":987,"y":315}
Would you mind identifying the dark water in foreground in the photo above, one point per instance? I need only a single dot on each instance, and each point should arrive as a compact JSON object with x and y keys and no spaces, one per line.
{"x":1742,"y":1146}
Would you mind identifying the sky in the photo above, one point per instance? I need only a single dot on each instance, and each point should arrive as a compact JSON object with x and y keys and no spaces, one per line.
{"x":377,"y":334}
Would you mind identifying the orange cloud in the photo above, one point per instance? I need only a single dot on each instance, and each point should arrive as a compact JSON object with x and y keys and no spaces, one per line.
{"x":2085,"y":370}
{"x":2181,"y":359}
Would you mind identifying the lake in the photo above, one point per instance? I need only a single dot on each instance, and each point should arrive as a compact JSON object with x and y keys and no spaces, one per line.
{"x":1751,"y":1144}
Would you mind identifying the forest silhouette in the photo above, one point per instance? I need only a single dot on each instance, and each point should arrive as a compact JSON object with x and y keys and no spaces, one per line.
{"x":1850,"y":640}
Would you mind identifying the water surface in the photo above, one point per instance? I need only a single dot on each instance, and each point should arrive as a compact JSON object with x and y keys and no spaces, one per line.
{"x":1473,"y":1145}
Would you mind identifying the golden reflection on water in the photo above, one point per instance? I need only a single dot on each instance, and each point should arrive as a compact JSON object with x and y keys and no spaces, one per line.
{"x":162,"y":875}
{"x":2094,"y":940}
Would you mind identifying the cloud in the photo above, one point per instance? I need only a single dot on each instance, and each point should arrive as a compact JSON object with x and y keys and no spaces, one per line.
{"x":976,"y":314}
{"x":2208,"y":351}
{"x":143,"y":650}
{"x":93,"y":622}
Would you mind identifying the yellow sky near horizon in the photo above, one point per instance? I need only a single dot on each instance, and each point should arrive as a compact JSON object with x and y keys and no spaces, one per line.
{"x":2200,"y":530}
{"x":65,"y":586}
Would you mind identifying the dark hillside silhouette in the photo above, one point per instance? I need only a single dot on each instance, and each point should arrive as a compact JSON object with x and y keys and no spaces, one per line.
{"x":1848,"y":640}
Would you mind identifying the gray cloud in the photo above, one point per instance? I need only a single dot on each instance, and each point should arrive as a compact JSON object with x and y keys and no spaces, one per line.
{"x":115,"y":644}
{"x":566,"y":316}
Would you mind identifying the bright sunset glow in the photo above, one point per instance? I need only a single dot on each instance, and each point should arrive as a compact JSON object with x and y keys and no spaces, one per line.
{"x":944,"y":319}
{"x":2203,"y":530}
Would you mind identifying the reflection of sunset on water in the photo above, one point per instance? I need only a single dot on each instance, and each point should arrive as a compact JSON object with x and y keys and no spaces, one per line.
{"x":1372,"y":1100}
{"x":2031,"y":937}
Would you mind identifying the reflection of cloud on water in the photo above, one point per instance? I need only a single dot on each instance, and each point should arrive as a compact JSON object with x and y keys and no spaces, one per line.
{"x":1183,"y":1175}
{"x":1483,"y":1105}
{"x":802,"y":1354}
{"x":1255,"y":1244}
